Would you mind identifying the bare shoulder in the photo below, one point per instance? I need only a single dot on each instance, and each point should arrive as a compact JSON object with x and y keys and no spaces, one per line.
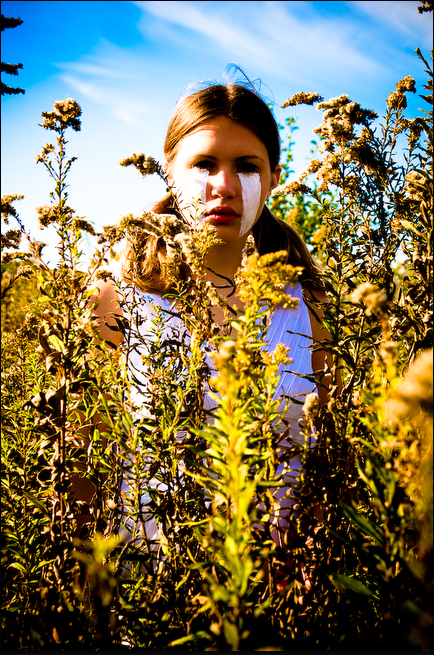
{"x":315,"y":295}
{"x":106,"y":297}
{"x":314,"y":298}
{"x":106,"y":307}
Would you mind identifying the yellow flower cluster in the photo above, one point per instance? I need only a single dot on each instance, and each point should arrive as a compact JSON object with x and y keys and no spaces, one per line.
{"x":11,"y":239}
{"x":83,"y":225}
{"x":48,"y":214}
{"x":265,"y":277}
{"x":371,"y":296}
{"x":302,"y":99}
{"x":7,"y":208}
{"x":43,"y":157}
{"x":397,"y":99}
{"x":340,"y":116}
{"x":409,"y":410}
{"x":66,"y":114}
{"x":145,"y":164}
{"x":292,"y":188}
{"x":415,"y":185}
{"x":239,"y":364}
{"x":415,"y":392}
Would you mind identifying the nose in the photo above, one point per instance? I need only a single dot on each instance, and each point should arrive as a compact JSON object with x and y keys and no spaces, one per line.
{"x":223,"y":184}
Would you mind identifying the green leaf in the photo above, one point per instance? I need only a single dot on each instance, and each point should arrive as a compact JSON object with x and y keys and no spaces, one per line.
{"x":344,"y":583}
{"x":56,"y":342}
{"x":183,"y":640}
{"x":44,"y":563}
{"x":363,"y":524}
{"x":36,"y":502}
{"x":231,"y":633}
{"x":18,"y":567}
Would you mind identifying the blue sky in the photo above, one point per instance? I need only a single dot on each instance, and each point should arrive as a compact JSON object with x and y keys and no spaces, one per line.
{"x":126,"y":63}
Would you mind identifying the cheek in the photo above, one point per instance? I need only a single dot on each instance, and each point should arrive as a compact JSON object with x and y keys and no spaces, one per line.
{"x":251,"y":189}
{"x":191,"y":194}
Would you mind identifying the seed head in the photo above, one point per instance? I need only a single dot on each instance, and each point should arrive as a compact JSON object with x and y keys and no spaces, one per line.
{"x":66,"y":114}
{"x":302,"y":99}
{"x":7,"y":209}
{"x":406,"y":84}
{"x":145,"y":164}
{"x":415,"y":185}
{"x":415,"y":391}
{"x":373,"y":297}
{"x":396,"y":100}
{"x":83,"y":225}
{"x":292,"y":188}
{"x":311,"y":407}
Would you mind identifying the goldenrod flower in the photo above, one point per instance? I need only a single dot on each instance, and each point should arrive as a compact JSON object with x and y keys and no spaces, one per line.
{"x":66,"y":114}
{"x":373,"y":297}
{"x":406,"y":84}
{"x":415,"y":392}
{"x":293,"y":188}
{"x":396,"y":100}
{"x":145,"y":164}
{"x":83,"y":225}
{"x":302,"y":99}
{"x":47,"y":214}
{"x":415,"y":183}
{"x":11,"y":239}
{"x":7,"y":209}
{"x":43,"y":157}
{"x":311,"y":407}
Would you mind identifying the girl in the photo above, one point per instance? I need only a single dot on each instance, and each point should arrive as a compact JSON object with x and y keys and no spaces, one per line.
{"x":222,"y":147}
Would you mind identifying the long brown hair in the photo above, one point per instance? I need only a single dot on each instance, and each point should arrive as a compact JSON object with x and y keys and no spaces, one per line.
{"x":271,"y":234}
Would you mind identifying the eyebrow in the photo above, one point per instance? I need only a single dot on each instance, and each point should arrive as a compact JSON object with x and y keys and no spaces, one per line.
{"x":237,"y":159}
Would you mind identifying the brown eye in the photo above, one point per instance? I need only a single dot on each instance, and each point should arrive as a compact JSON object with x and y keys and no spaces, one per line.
{"x":204,"y":165}
{"x":247,"y":167}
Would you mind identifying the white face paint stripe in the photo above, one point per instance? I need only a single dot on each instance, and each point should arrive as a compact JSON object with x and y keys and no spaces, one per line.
{"x":251,"y":193}
{"x":196,"y":193}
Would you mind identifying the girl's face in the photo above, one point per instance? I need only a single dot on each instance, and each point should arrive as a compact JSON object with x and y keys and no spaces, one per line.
{"x":221,"y":174}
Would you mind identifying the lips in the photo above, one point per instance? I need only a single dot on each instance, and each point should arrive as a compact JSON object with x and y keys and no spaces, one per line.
{"x":222,"y":215}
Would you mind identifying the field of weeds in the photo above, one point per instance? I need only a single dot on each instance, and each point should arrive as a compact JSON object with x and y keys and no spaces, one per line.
{"x":356,"y":575}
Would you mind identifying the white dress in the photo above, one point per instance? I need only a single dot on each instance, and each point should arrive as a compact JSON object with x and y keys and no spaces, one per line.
{"x":288,"y":326}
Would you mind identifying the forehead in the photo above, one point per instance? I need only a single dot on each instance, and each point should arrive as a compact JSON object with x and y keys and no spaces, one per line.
{"x":222,"y":135}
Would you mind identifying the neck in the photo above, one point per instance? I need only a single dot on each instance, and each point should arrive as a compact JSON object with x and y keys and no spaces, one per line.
{"x":223,"y":261}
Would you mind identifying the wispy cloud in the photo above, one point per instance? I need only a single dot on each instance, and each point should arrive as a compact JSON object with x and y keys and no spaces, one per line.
{"x":208,"y":22}
{"x":271,"y":36}
{"x":127,"y":109}
{"x":111,"y":78}
{"x":313,"y":46}
{"x":100,"y":71}
{"x":401,"y":16}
